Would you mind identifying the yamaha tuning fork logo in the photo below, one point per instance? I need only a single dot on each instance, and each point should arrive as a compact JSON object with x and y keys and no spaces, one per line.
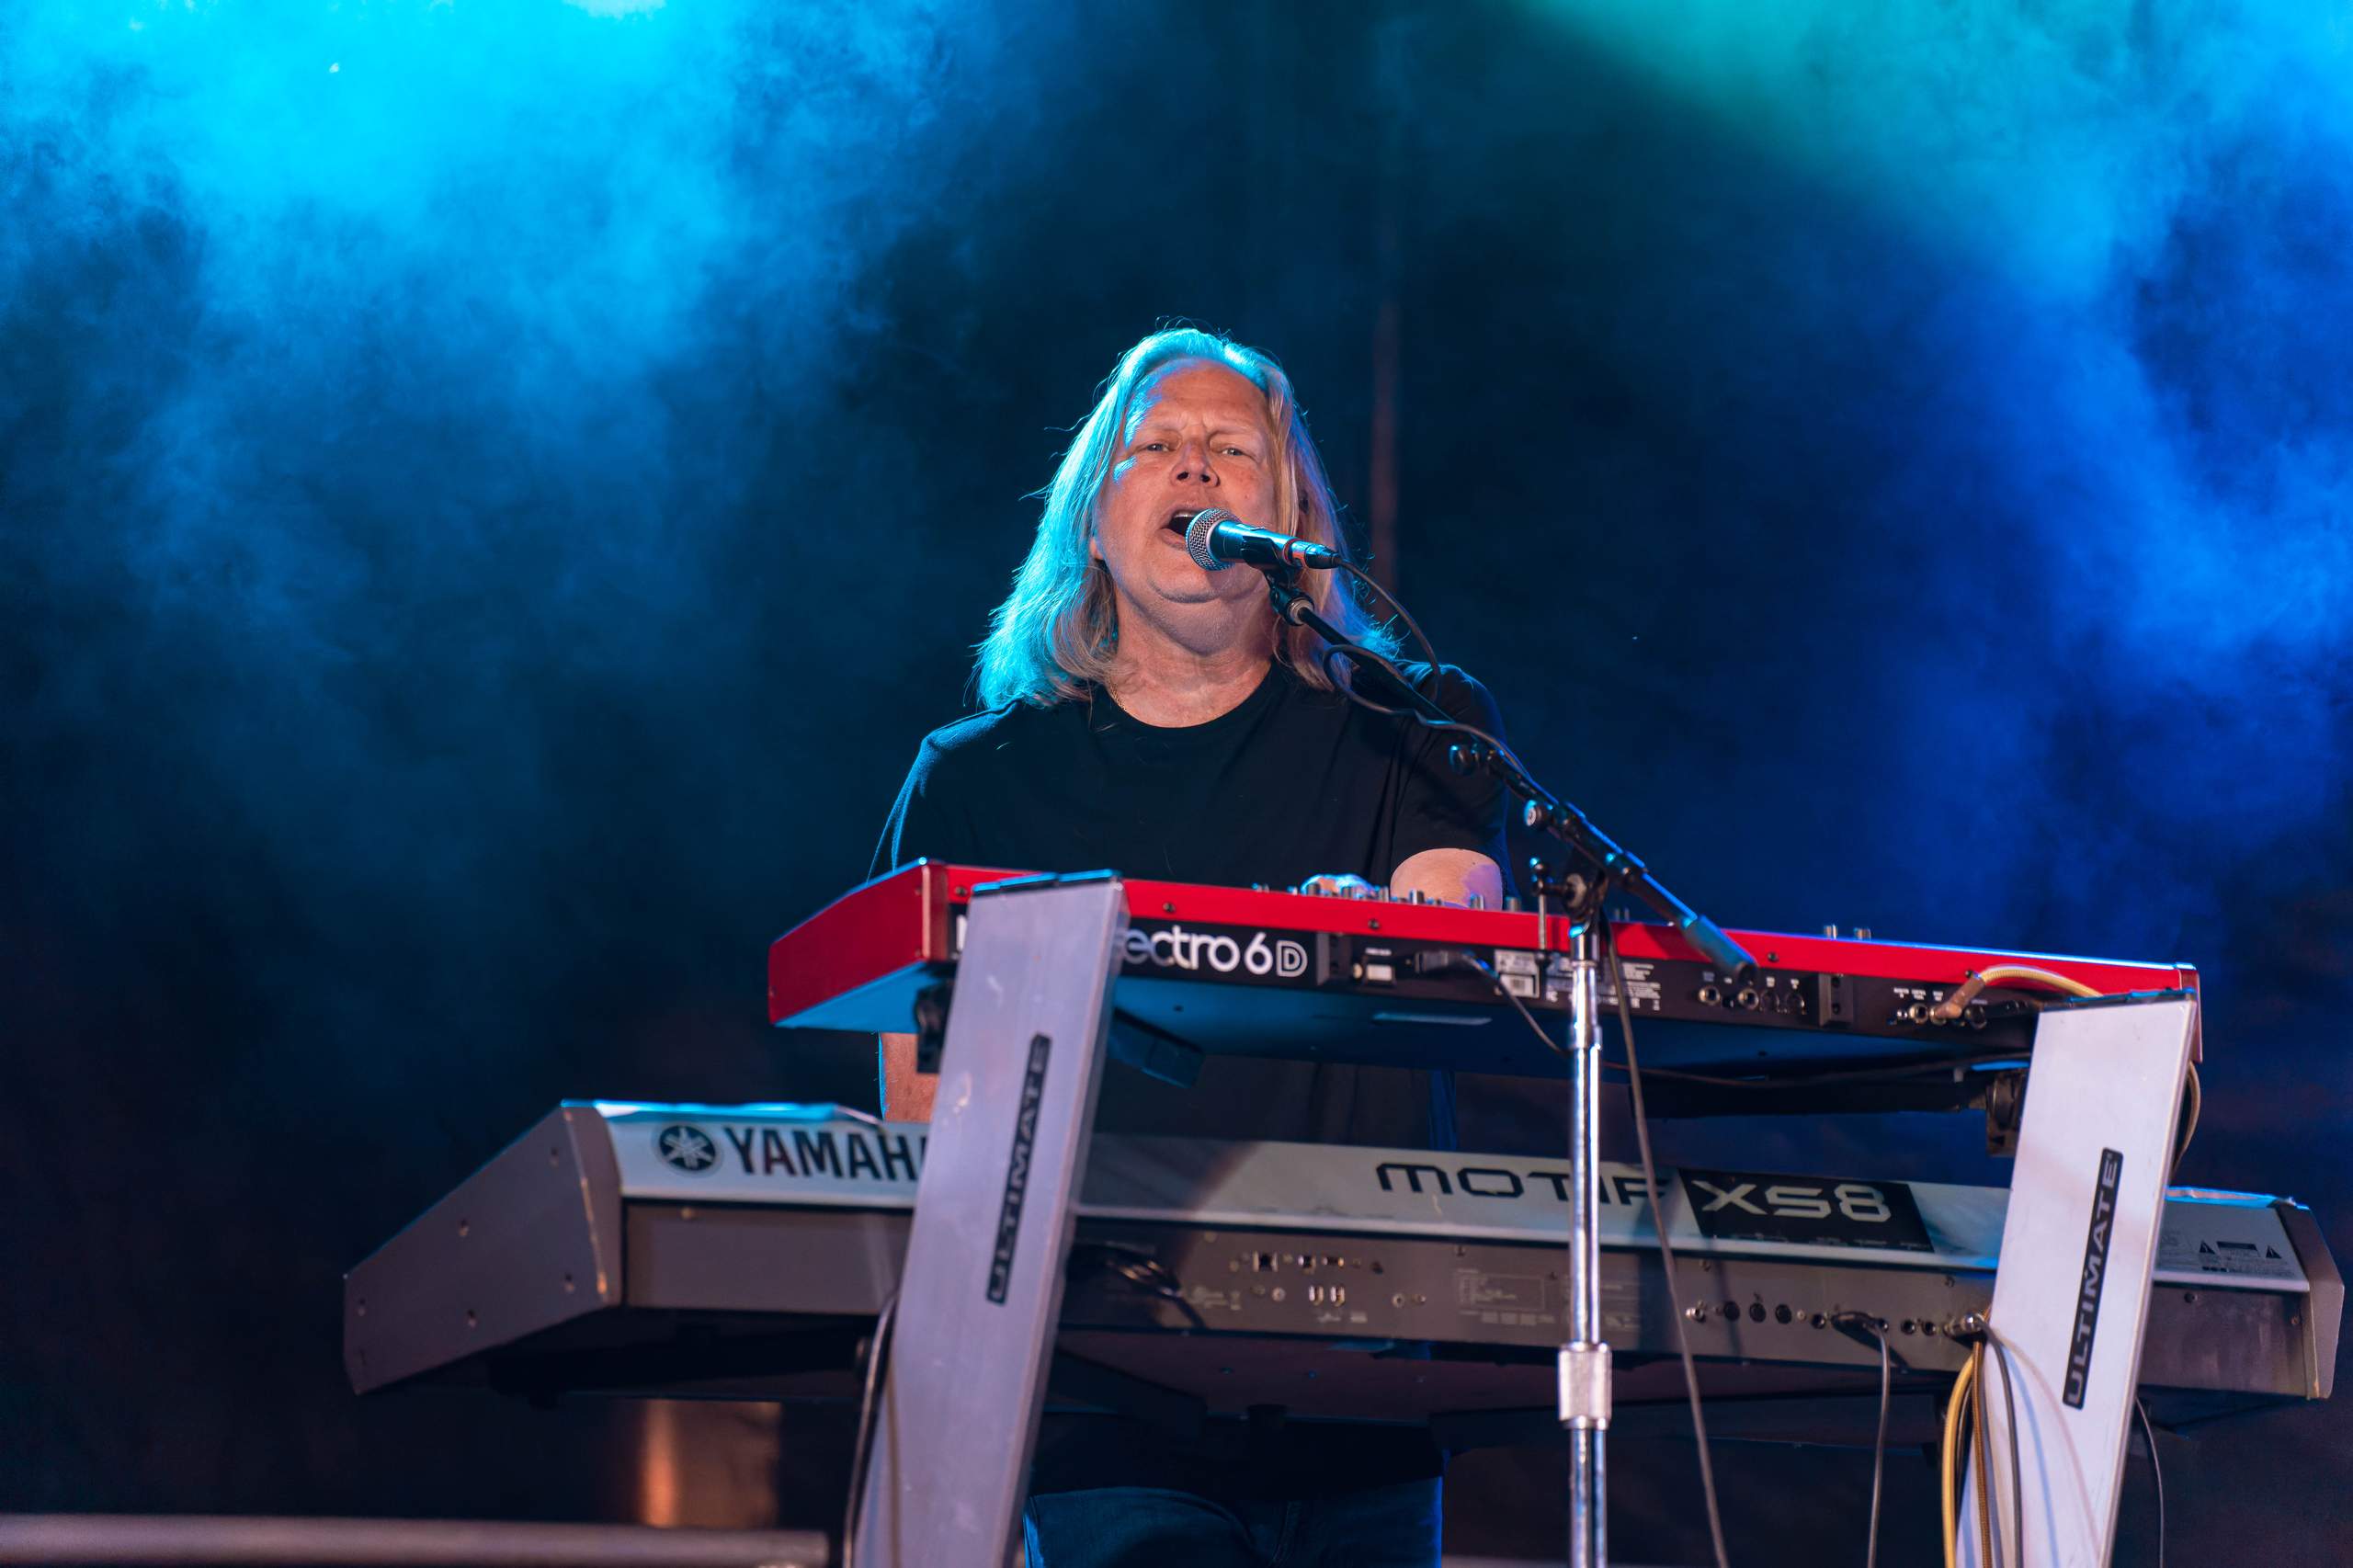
{"x":686,"y":1148}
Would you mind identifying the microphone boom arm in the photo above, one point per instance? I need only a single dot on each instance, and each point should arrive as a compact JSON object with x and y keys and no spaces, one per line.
{"x":1544,"y":811}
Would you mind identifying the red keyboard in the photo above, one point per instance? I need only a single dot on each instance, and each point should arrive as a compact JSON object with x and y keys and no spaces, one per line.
{"x":1336,"y":970}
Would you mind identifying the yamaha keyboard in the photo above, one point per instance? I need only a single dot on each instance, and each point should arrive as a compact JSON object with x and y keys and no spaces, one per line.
{"x":744,"y":1251}
{"x":1371,"y":979}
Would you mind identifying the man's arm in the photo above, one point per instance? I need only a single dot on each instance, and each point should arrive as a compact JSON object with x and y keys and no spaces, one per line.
{"x":906,"y":1094}
{"x":1449,"y":838}
{"x":926,"y":820}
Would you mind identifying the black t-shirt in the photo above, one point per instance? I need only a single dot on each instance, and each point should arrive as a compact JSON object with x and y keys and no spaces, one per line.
{"x":1292,"y":783}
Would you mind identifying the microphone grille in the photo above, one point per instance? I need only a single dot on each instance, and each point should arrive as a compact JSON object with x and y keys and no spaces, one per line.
{"x":1197,"y":538}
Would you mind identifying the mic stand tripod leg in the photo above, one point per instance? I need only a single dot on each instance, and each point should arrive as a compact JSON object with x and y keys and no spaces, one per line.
{"x":1585,"y":1360}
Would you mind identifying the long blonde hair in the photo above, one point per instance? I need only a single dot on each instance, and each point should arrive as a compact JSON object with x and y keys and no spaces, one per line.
{"x":1057,"y":630}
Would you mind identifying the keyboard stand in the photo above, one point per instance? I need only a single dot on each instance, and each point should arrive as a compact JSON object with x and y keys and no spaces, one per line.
{"x":974,"y":1324}
{"x":2070,"y":1296}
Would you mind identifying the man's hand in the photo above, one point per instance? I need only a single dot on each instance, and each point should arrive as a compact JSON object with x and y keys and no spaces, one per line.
{"x":1337,"y":885}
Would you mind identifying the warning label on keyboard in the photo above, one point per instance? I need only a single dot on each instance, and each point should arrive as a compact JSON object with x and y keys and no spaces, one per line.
{"x":2225,"y":1241}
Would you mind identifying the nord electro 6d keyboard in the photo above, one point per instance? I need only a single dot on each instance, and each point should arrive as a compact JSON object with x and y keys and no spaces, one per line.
{"x":1308,"y":975}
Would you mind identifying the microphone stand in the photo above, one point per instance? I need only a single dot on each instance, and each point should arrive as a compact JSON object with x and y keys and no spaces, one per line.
{"x":1584,"y":1365}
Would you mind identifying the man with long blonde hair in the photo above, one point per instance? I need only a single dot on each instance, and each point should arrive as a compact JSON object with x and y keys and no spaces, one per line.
{"x":1144,"y":714}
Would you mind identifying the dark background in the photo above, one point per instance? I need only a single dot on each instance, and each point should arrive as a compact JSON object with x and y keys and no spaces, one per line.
{"x":493,"y":496}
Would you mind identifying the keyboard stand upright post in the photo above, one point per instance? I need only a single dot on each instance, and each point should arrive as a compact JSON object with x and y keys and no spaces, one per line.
{"x":981,"y":1296}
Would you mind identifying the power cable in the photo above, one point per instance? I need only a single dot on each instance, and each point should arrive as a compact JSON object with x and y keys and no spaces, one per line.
{"x":2192,"y":1100}
{"x":2157,"y":1473}
{"x":869,"y":1409}
{"x":1869,"y":1324}
{"x":1855,"y":1325}
{"x":1984,"y":1446}
{"x":2017,"y":1480}
{"x":1969,"y":1403}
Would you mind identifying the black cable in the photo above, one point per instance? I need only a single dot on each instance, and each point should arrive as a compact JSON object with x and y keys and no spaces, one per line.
{"x":869,"y":1406}
{"x":1665,"y":1247}
{"x":1855,"y":1325}
{"x":1666,"y":1253}
{"x":1658,"y":1211}
{"x":1878,"y":1444}
{"x":1525,"y":782}
{"x":2018,"y":1481}
{"x":1984,"y":1445}
{"x":1504,"y":757}
{"x":1335,"y":651}
{"x":1475,"y":961}
{"x":2192,"y":1098}
{"x":2156,"y":1473}
{"x":1520,"y":775}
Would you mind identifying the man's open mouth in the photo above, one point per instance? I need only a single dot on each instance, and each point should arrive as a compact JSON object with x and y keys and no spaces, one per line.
{"x":1180,"y":519}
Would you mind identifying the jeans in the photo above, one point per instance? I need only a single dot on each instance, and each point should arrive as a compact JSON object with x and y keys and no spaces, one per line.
{"x":1144,"y":1527}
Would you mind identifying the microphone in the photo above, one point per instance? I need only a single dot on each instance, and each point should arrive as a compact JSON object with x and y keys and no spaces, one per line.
{"x":1218,"y":540}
